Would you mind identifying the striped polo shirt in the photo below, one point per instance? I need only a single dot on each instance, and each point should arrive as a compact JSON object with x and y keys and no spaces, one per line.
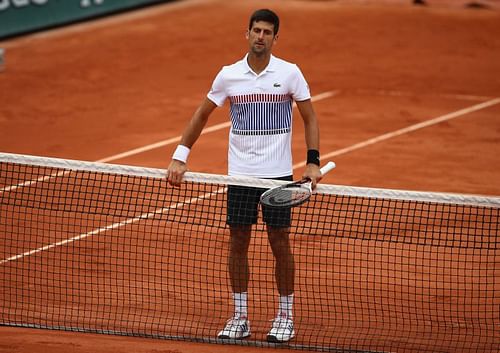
{"x":261,"y":115}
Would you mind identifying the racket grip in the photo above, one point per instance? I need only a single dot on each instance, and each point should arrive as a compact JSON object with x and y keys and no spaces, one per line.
{"x":327,"y":167}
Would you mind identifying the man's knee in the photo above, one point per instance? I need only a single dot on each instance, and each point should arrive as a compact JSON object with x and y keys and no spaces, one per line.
{"x":240,"y":237}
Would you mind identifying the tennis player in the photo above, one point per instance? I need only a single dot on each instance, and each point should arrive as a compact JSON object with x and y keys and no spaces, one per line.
{"x":261,"y":89}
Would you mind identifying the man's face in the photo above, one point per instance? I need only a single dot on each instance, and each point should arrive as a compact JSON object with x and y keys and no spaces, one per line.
{"x":261,"y":37}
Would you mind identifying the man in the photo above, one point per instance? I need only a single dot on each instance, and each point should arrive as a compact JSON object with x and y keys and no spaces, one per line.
{"x":261,"y":89}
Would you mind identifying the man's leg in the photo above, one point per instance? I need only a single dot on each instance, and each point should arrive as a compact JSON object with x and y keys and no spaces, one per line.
{"x":241,"y":214}
{"x":238,"y":257}
{"x":238,"y":326}
{"x":282,"y":329}
{"x":285,"y":264}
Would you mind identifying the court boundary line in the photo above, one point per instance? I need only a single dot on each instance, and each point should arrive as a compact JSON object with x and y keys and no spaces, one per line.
{"x":414,"y":127}
{"x":351,"y":148}
{"x":393,"y":93}
{"x":146,"y":148}
{"x":319,"y":97}
{"x":177,"y":139}
{"x":115,"y":225}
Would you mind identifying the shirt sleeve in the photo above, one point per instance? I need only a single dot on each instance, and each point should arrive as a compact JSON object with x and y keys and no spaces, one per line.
{"x":299,"y":87}
{"x":217,"y":93}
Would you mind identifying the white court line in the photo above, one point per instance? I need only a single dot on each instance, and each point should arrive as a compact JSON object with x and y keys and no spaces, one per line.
{"x":112,"y":226}
{"x":457,"y":96}
{"x":207,"y":130}
{"x":146,"y":148}
{"x":407,"y":129}
{"x":298,"y":165}
{"x":320,"y":96}
{"x":34,"y":181}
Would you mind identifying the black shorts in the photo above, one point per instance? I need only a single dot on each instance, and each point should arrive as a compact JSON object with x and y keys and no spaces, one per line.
{"x":243,"y":207}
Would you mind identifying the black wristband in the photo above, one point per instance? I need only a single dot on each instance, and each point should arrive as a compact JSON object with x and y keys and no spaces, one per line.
{"x":313,"y":157}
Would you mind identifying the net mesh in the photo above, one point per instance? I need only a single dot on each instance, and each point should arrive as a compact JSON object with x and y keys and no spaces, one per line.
{"x":113,"y":249}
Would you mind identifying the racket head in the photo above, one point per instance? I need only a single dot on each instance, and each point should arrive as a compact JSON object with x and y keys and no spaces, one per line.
{"x":288,"y":195}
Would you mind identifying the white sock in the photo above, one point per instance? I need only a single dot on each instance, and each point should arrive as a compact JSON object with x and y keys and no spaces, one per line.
{"x":240,"y":304}
{"x":285,"y":306}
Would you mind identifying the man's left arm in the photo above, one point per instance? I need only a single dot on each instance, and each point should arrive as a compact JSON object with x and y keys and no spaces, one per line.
{"x":312,"y":140}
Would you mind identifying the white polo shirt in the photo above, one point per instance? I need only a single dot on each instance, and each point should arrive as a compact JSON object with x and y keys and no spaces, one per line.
{"x":261,"y":115}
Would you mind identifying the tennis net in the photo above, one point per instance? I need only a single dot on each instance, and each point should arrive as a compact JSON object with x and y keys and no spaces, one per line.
{"x":113,"y":249}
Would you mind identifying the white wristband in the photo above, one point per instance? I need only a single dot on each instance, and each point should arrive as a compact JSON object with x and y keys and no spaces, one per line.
{"x":181,"y":153}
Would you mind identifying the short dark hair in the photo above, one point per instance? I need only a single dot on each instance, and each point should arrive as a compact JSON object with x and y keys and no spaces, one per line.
{"x":265,"y":15}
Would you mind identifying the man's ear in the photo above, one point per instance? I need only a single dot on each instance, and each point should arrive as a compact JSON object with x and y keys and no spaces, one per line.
{"x":247,"y":34}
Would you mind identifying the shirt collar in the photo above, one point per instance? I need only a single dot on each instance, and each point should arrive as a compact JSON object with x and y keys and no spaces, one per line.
{"x":271,"y":67}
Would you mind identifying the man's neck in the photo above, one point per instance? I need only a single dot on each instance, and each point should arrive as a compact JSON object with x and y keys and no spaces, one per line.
{"x":258,"y":62}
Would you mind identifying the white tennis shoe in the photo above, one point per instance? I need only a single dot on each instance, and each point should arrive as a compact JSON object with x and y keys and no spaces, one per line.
{"x":282,"y":330}
{"x":236,"y":328}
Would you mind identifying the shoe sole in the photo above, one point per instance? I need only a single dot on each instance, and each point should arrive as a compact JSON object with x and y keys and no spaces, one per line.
{"x":226,"y":337}
{"x":274,"y":339}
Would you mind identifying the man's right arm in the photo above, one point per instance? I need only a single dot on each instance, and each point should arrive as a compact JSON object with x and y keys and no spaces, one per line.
{"x":178,"y":166}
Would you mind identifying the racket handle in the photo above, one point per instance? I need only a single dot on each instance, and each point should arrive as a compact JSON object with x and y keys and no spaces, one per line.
{"x":327,"y":167}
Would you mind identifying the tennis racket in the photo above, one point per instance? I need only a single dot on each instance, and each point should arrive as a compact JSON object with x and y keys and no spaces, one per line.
{"x":292,"y":194}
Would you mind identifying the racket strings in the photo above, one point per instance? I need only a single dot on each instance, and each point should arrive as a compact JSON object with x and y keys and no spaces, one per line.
{"x":287,"y":196}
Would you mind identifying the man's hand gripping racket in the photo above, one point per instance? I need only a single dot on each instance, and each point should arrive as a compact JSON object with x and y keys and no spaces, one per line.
{"x":292,"y":194}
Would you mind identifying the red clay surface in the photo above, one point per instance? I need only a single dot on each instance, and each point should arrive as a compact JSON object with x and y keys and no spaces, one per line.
{"x":95,"y":90}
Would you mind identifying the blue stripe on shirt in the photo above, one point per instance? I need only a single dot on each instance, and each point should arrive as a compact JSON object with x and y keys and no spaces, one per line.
{"x":261,"y":114}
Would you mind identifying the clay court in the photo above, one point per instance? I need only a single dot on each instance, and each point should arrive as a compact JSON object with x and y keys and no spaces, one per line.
{"x":408,"y":97}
